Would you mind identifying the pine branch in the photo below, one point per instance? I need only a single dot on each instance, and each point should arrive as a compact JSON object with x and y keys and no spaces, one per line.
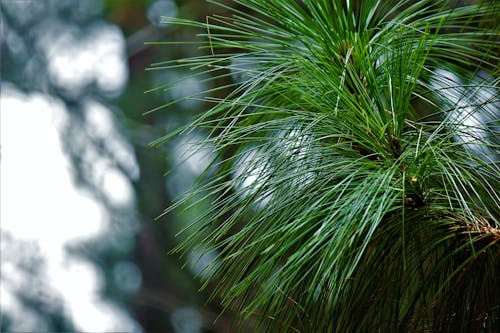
{"x":355,"y":179}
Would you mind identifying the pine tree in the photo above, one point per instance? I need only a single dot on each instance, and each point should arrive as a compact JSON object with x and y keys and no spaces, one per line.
{"x":354,"y":186}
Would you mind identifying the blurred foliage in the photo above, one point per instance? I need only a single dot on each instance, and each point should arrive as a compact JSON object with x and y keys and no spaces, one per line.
{"x":136,"y":236}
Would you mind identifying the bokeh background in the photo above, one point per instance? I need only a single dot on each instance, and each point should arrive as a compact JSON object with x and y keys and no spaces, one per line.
{"x":81,"y":187}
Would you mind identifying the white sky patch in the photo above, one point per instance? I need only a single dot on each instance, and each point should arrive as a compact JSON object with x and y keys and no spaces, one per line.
{"x":39,"y":203}
{"x":159,"y":9}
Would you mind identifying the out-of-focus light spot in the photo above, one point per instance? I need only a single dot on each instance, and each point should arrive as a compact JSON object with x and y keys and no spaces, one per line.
{"x":190,"y":153}
{"x":99,"y":119}
{"x":127,"y":276}
{"x":101,"y":125}
{"x":472,"y":110}
{"x":75,"y":61}
{"x":161,"y":8}
{"x":203,"y":262}
{"x":296,"y":146}
{"x":186,"y":320}
{"x":188,"y":89}
{"x":110,"y":68}
{"x":191,"y":159}
{"x":251,"y":168}
{"x":110,"y":73}
{"x":117,"y":188}
{"x":242,"y":68}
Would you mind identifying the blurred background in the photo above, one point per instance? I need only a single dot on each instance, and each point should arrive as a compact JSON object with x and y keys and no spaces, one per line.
{"x":80,"y":185}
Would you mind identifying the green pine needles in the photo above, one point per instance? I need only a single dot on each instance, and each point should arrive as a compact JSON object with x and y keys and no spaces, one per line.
{"x":354,"y":184}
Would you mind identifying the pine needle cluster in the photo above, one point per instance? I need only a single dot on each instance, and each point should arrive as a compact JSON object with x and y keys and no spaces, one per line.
{"x":354,"y":184}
